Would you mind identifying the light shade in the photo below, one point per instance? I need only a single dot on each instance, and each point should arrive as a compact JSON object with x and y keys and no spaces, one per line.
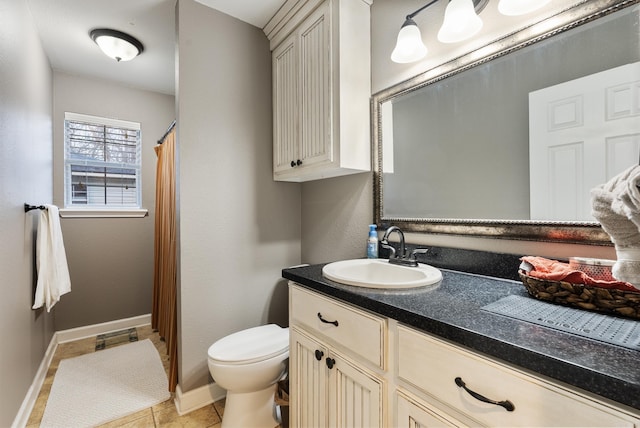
{"x":520,"y":7}
{"x":409,"y":46}
{"x":116,"y":44}
{"x":460,"y":22}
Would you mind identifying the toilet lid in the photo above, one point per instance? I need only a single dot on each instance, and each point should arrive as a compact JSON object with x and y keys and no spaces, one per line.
{"x":254,"y":344}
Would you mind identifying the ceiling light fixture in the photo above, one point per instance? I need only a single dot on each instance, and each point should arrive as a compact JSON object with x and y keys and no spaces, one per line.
{"x":461,"y":22}
{"x":116,"y":44}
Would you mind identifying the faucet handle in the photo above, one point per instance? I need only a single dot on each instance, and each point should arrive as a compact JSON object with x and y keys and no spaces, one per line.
{"x":418,"y":251}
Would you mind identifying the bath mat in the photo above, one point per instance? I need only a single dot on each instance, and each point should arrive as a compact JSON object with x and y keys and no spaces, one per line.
{"x":99,"y":387}
{"x":108,"y":340}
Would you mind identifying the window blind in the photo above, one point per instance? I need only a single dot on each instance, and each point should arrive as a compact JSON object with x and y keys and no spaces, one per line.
{"x":102,"y":162}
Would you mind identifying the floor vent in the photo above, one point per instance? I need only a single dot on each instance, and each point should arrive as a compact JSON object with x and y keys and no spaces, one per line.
{"x":107,"y":340}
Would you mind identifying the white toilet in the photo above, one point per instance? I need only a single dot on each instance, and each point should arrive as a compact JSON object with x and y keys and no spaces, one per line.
{"x":248,"y":364}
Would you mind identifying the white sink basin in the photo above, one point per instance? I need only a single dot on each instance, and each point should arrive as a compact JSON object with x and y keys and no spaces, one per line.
{"x":379,"y":273}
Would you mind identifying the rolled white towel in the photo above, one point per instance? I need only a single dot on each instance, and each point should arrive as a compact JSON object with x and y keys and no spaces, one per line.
{"x":627,"y":193}
{"x":623,"y":232}
{"x":627,"y":266}
{"x":616,"y":205}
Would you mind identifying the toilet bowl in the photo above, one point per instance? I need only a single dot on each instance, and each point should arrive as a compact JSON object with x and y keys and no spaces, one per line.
{"x":248,"y":364}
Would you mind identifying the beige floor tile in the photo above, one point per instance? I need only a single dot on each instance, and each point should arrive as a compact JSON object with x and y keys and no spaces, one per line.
{"x":75,"y":348}
{"x":38,"y":409}
{"x":143,"y":418}
{"x":164,"y":405}
{"x":219,"y":406}
{"x":201,"y":418}
{"x":144,"y":332}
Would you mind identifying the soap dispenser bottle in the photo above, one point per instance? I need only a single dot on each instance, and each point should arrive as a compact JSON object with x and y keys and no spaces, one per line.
{"x":372,"y":242}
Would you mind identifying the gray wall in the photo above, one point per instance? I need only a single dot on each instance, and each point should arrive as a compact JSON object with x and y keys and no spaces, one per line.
{"x":324,"y":199}
{"x":25,"y":176}
{"x":110,"y":259}
{"x":238,"y":228}
{"x":336,"y":214}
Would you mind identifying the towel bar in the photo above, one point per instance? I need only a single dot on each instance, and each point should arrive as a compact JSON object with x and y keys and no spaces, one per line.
{"x":28,"y":207}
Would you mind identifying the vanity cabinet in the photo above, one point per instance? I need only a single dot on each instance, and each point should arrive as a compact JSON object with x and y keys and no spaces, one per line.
{"x":330,"y":383}
{"x":352,"y":367}
{"x":321,"y":89}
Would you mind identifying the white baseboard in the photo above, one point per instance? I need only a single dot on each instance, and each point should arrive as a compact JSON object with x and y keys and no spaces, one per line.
{"x":102,"y":328}
{"x":192,"y":400}
{"x":32,"y":393}
{"x":63,"y":336}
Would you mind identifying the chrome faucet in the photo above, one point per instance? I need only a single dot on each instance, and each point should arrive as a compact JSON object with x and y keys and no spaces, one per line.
{"x":385,"y":242}
{"x":400,"y":258}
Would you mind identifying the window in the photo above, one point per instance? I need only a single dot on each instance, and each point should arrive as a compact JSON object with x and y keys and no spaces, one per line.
{"x":102,"y":162}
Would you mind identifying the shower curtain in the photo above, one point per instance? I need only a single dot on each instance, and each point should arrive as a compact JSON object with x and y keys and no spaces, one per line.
{"x":164,"y":310}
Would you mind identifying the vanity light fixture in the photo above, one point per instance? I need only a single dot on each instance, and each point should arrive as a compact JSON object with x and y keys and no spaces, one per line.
{"x":520,"y":7}
{"x":116,"y":44}
{"x":409,"y":45}
{"x":461,"y":21}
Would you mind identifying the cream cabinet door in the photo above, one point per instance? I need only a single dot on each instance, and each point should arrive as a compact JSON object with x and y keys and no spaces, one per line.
{"x":308,"y":381}
{"x":328,"y":389}
{"x":302,"y":95}
{"x":315,"y":88}
{"x":286,"y":135}
{"x":355,"y":396}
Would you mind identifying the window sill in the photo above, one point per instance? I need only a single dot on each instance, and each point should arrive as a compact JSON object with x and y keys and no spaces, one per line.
{"x":103,"y":213}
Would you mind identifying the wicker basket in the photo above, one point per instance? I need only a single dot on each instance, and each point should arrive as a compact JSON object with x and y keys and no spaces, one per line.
{"x":612,"y":301}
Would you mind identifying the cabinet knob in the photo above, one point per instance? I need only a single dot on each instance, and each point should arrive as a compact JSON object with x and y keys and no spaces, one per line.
{"x":298,"y":162}
{"x":293,"y":164}
{"x":319,"y":354}
{"x":330,"y":362}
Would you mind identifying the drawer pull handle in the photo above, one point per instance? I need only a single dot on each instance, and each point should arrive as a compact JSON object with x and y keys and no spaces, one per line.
{"x":506,"y":404}
{"x":325,"y":321}
{"x":319,"y":354}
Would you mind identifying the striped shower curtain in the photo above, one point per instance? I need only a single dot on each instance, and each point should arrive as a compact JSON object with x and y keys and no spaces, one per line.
{"x":164,"y":310}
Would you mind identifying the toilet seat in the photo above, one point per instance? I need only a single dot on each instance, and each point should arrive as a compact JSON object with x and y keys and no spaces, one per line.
{"x":251,"y":345}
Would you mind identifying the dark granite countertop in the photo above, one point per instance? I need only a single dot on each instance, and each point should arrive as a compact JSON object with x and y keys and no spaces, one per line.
{"x":452,"y":311}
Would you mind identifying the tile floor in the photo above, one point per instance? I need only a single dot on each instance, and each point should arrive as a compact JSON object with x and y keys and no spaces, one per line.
{"x":161,"y":415}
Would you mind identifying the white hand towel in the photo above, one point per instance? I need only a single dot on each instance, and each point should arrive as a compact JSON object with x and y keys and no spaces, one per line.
{"x":51,"y":260}
{"x":627,"y":194}
{"x":616,"y":205}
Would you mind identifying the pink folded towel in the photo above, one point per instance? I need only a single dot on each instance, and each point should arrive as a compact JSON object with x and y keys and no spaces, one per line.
{"x":554,"y":270}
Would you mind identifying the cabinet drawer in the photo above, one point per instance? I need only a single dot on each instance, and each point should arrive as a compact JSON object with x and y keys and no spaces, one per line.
{"x":412,"y":413}
{"x":357,"y":331}
{"x":433,"y":365}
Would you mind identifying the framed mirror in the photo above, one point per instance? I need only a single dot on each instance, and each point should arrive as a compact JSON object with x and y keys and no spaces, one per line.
{"x":455,"y":147}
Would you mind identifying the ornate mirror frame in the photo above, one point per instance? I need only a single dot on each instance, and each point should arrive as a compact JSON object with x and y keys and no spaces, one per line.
{"x":582,"y":232}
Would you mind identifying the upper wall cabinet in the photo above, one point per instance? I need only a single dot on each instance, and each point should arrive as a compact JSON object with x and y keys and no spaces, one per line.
{"x":321,"y":89}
